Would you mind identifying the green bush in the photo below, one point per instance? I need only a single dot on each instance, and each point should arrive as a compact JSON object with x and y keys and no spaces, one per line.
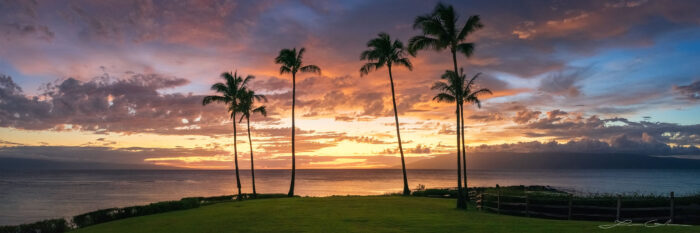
{"x":450,"y":193}
{"x":47,"y":226}
{"x":111,"y":214}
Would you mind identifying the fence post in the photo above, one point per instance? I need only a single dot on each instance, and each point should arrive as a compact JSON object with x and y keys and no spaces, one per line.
{"x":570,"y":205}
{"x":619,"y":205}
{"x":498,"y":202}
{"x":673,"y":206}
{"x":527,"y":205}
{"x":481,"y":200}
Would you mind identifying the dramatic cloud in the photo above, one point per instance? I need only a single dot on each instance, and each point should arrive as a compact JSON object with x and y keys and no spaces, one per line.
{"x":129,"y":105}
{"x":582,"y":71}
{"x":525,"y":116}
{"x":563,"y":125}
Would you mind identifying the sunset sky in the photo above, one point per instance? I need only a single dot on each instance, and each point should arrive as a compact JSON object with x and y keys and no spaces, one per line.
{"x":122,"y":81}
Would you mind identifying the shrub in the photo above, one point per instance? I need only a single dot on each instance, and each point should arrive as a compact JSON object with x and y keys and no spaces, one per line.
{"x":46,"y":226}
{"x":111,"y":214}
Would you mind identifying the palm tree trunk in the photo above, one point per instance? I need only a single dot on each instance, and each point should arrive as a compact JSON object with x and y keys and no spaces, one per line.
{"x":294,"y":91}
{"x":460,"y":198}
{"x":454,"y":61}
{"x":464,"y":155}
{"x":235,"y":157}
{"x":406,"y":191}
{"x":252,"y":165}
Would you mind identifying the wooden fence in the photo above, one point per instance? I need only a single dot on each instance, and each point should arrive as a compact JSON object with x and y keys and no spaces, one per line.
{"x":552,"y":207}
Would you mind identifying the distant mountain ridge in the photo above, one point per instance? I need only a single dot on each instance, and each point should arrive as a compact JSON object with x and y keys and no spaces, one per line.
{"x":556,"y":160}
{"x":40,"y":164}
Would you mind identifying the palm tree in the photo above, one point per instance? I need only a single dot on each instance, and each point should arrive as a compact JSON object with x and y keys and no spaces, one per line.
{"x":385,"y":52}
{"x":245,"y":107}
{"x":291,"y":61}
{"x":450,"y":91}
{"x":469,"y":95}
{"x":230,"y":91}
{"x":440,"y":32}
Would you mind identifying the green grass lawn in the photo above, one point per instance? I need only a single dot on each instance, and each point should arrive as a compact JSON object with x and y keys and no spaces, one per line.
{"x":350,"y":214}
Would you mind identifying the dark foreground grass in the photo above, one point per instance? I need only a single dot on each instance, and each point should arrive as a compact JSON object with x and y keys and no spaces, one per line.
{"x":350,"y":214}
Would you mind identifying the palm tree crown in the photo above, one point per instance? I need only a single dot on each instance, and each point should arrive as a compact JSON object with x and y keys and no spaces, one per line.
{"x":231,"y":90}
{"x":470,"y":95}
{"x":450,"y":90}
{"x":440,"y":31}
{"x":247,"y":102}
{"x":382,"y":51}
{"x":291,"y":61}
{"x":456,"y":87}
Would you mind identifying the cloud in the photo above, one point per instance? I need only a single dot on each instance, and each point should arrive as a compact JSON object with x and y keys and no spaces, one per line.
{"x":564,"y":83}
{"x":123,"y":105}
{"x":530,"y":56}
{"x":486,"y":117}
{"x":419,"y":149}
{"x":19,"y":20}
{"x":526,"y":116}
{"x":563,"y":125}
{"x":689,"y":92}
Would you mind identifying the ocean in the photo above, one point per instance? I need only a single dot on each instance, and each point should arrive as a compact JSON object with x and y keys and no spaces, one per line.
{"x":28,"y":196}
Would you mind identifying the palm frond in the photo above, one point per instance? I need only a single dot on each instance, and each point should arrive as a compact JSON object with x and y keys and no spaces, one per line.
{"x":285,"y":69}
{"x":244,"y":115}
{"x":247,"y":79}
{"x":441,"y":86}
{"x":260,"y":97}
{"x":472,"y":80}
{"x":369,"y":67}
{"x":423,"y":42}
{"x":288,"y":59}
{"x":311,"y":69}
{"x":300,"y":55}
{"x":405,"y":62}
{"x":466,"y":48}
{"x":262,"y":110}
{"x":214,"y":99}
{"x":444,"y":97}
{"x":473,"y":24}
{"x":419,"y":21}
{"x":219,"y":87}
{"x":481,"y":92}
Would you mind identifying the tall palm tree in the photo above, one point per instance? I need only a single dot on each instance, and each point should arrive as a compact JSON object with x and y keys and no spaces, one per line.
{"x":245,"y":107}
{"x":230,"y":90}
{"x":469,"y":95}
{"x":440,"y":32}
{"x":385,"y":52}
{"x":450,"y":90}
{"x":291,"y":61}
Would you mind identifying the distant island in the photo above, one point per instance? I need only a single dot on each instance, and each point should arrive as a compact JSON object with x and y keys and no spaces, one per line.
{"x":559,"y":160}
